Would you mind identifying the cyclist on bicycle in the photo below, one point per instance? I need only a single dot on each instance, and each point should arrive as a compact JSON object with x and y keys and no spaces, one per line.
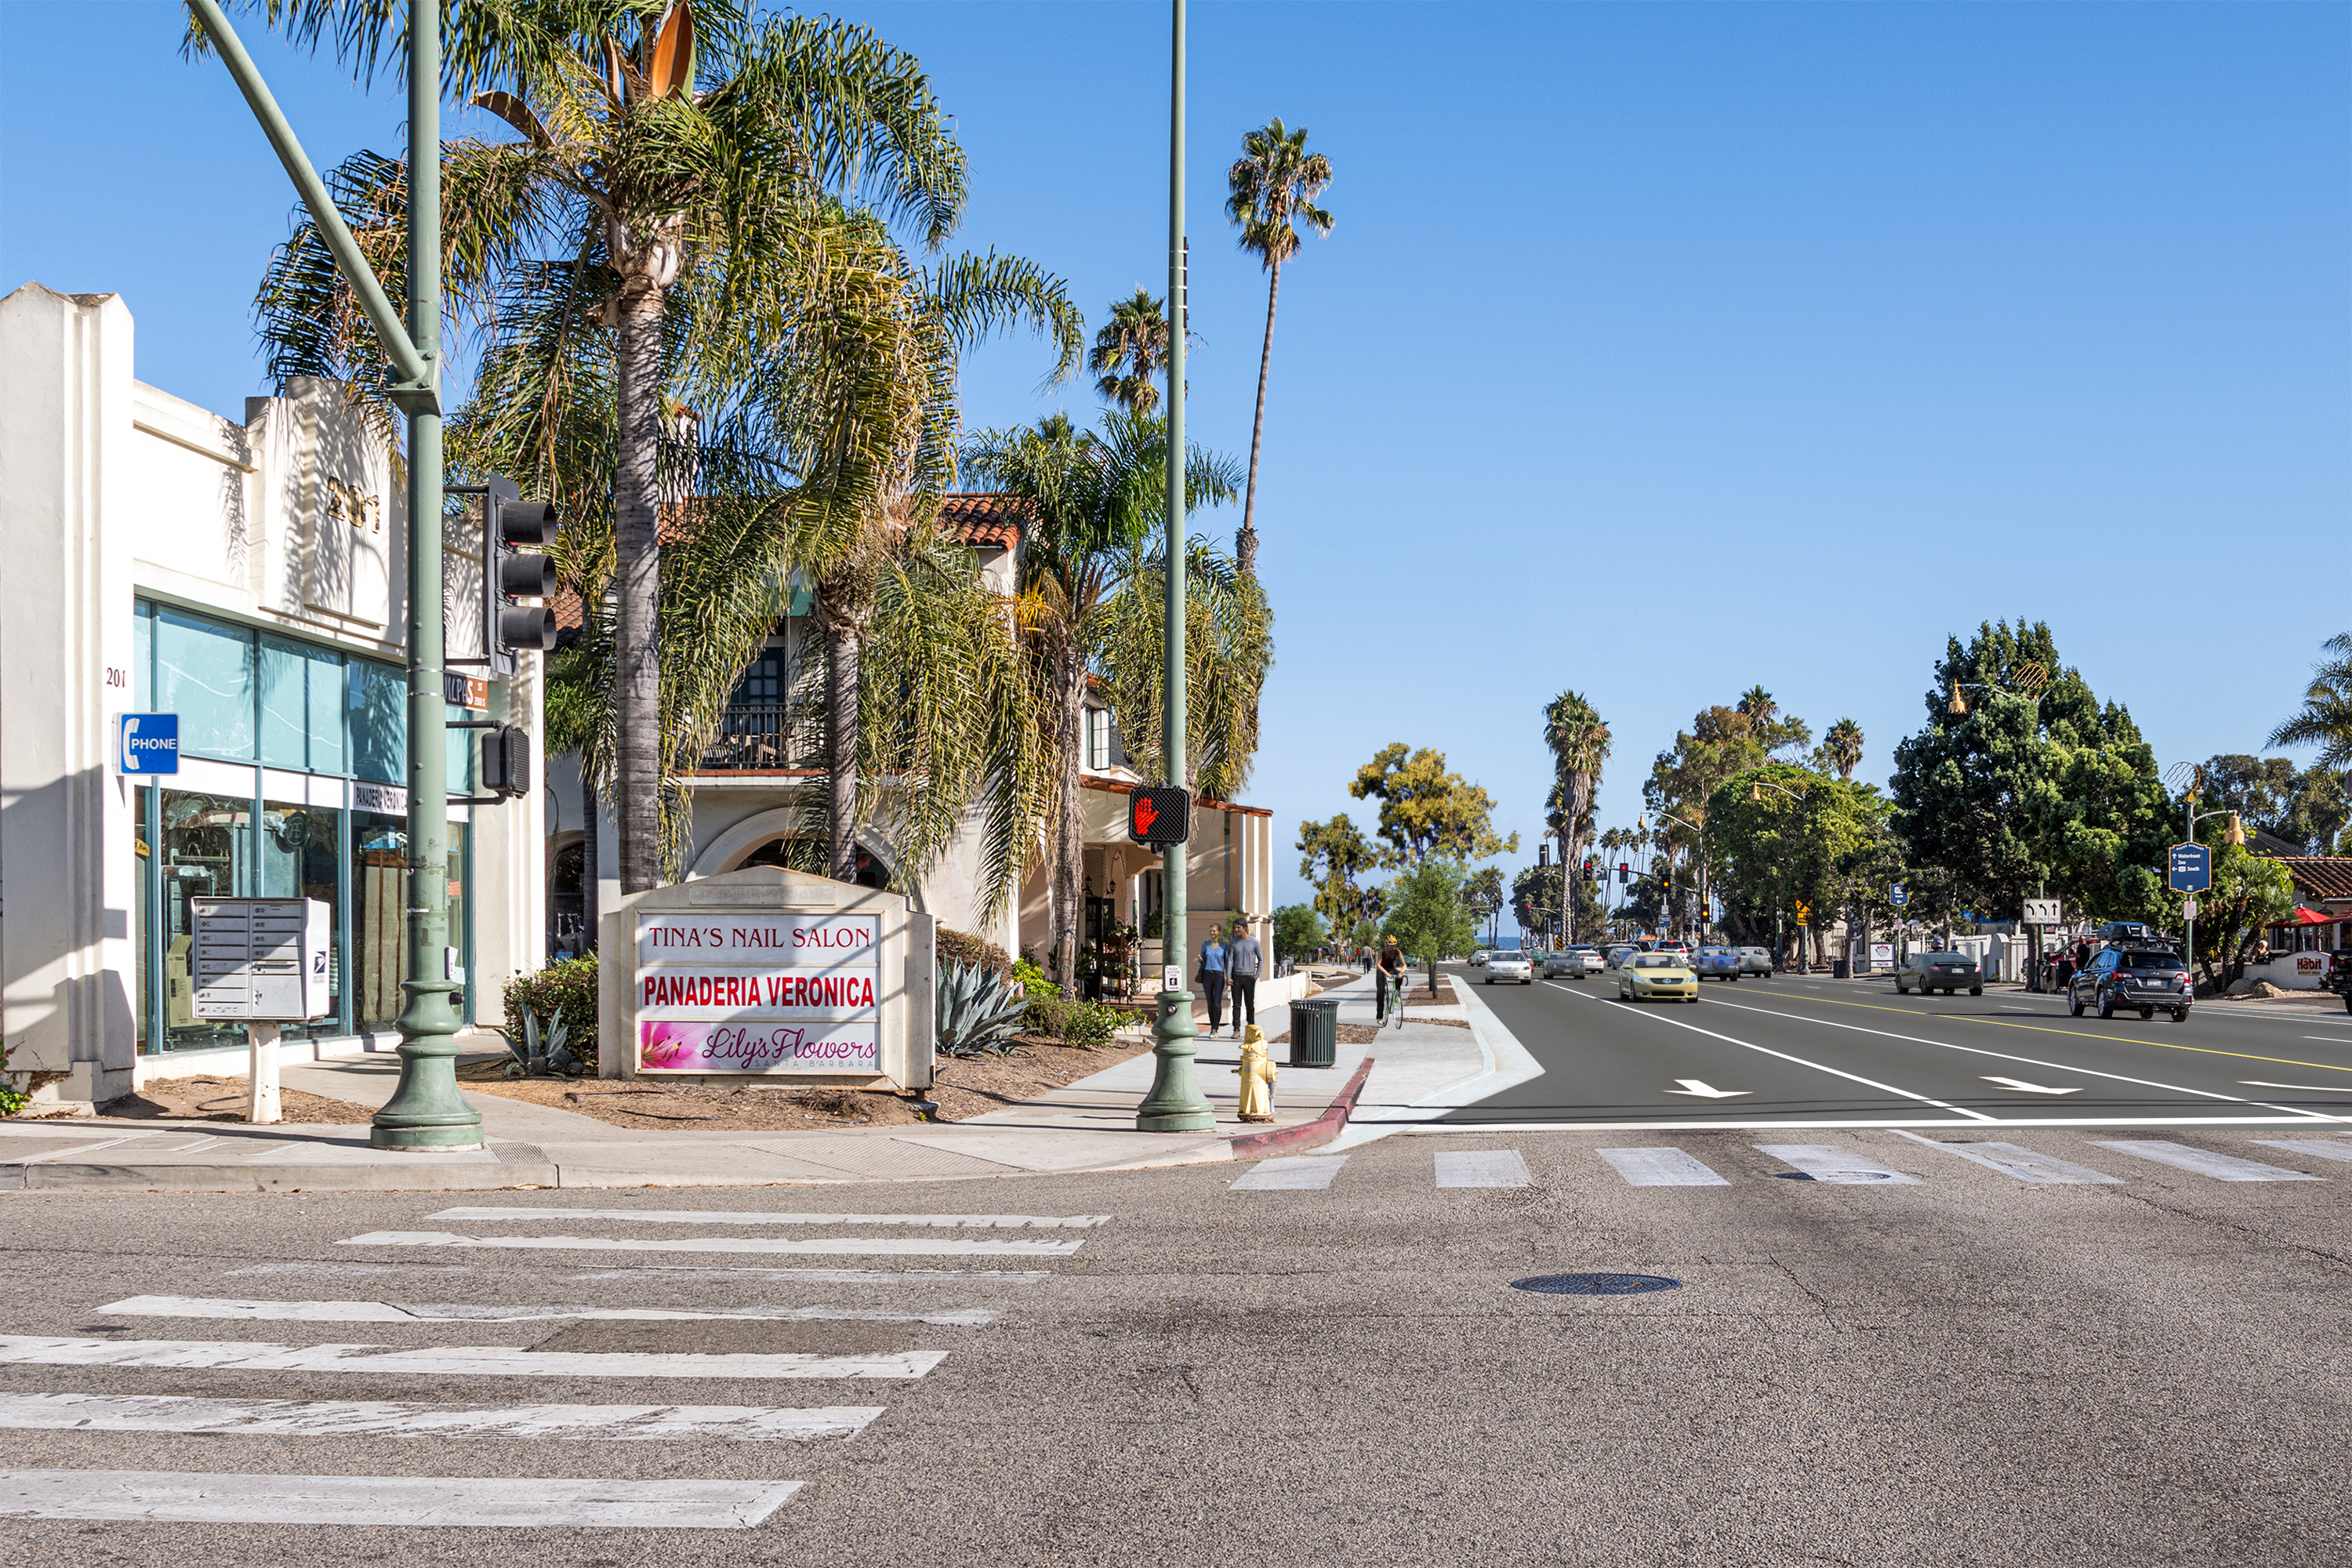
{"x":1391,"y":971}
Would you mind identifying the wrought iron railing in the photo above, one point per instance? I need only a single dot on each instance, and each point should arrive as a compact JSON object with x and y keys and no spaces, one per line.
{"x":761,"y":737}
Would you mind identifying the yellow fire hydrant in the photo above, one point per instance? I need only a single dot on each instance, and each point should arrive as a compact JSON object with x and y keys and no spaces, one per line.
{"x":1257,"y":1073}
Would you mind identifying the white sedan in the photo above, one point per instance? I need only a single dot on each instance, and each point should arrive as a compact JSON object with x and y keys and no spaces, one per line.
{"x":1509,"y":966}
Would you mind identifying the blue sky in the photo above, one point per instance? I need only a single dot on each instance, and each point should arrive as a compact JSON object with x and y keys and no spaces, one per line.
{"x":1659,"y":351}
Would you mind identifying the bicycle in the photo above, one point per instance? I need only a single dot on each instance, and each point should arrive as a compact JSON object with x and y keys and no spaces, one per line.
{"x":1396,"y":1004}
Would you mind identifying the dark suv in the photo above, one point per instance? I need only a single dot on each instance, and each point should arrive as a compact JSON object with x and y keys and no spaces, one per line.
{"x":2129,"y":977}
{"x":2338,"y":978}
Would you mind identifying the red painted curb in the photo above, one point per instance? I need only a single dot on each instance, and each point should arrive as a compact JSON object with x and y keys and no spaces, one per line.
{"x":1306,"y":1134}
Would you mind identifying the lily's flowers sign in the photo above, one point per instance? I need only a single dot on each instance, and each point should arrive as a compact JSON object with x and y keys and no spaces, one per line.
{"x":738,"y":992}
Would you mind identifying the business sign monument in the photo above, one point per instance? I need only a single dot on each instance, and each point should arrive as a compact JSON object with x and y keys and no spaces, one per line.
{"x":767,"y":973}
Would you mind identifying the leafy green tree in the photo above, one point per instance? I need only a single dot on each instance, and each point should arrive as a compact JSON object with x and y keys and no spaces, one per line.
{"x":2325,"y":721}
{"x":1335,"y":858}
{"x":1426,"y":810}
{"x":1131,"y":353}
{"x":1771,"y":851}
{"x":1272,"y":188}
{"x":2307,"y":808}
{"x":2249,"y":892}
{"x":1427,"y":913}
{"x":1297,"y":929}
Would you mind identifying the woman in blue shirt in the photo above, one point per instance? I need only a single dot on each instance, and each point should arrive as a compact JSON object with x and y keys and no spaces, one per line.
{"x":1213,"y":974}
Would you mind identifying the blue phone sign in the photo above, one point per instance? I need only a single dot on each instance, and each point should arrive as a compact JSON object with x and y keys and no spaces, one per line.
{"x":148,"y":744}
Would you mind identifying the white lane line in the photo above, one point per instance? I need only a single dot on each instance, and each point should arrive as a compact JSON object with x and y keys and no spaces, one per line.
{"x":1483,"y":1168}
{"x":2337,"y":1089}
{"x":1826,"y":1163}
{"x":2034,"y":1061}
{"x":878,"y":1245}
{"x":417,"y":1418}
{"x":1661,"y":1168}
{"x":239,"y":1310}
{"x":720,"y":1216}
{"x":2028,"y":1165}
{"x":2204,"y":1162}
{"x":502,"y":1360}
{"x":2327,"y":1039}
{"x":1817,"y":1067}
{"x":2309,"y":1146}
{"x":195,"y":1498}
{"x":1296,"y":1174}
{"x":2023,"y":1087}
{"x":778,"y":1276}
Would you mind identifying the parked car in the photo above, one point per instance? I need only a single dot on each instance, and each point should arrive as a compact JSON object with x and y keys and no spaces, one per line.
{"x":1716,"y":963}
{"x":1933,"y":971}
{"x":1656,"y":976}
{"x":1509,"y":966}
{"x":1754,"y":960}
{"x":2147,"y":978}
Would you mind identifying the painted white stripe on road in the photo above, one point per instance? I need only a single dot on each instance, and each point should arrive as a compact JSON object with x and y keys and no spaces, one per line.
{"x":780,"y":1276}
{"x":1661,"y":1168}
{"x":1296,"y":1174}
{"x":2028,"y":1165}
{"x":194,"y":1498}
{"x":460,"y":1360}
{"x":414,"y":1419}
{"x":1483,"y":1168}
{"x":241,"y":1309}
{"x":1826,"y":1163}
{"x":1817,"y":1067}
{"x":877,"y":1246}
{"x":716,"y":1217}
{"x":2320,"y":1147}
{"x":2204,"y":1162}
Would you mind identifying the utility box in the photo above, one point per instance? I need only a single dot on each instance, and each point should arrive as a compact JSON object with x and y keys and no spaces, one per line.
{"x":262,"y":959}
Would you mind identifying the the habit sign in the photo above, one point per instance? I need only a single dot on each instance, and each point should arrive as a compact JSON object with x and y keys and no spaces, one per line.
{"x":758,"y":992}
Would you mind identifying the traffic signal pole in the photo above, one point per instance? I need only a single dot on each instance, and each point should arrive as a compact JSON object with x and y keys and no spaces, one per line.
{"x":1174,"y":1104}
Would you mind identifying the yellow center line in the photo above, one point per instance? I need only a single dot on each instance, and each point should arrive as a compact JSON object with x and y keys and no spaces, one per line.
{"x":2086,"y":1033}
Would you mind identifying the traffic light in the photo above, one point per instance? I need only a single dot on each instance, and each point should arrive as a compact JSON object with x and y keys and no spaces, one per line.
{"x":1666,"y":883}
{"x":1704,"y":913}
{"x":515,"y":535}
{"x":506,"y":761}
{"x":1624,"y":873}
{"x":1543,"y":855}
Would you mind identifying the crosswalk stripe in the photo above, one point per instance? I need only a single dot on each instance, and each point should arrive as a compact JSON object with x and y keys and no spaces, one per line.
{"x":2028,"y":1165}
{"x":1483,"y":1168}
{"x":2203,"y":1161}
{"x":2320,"y":1147}
{"x":507,"y":1361}
{"x":197,"y":1498}
{"x":416,"y":1418}
{"x":877,"y":1246}
{"x":245,"y":1311}
{"x":782,"y":1276}
{"x":1293,"y":1174}
{"x":721,"y":1217}
{"x":1661,"y":1168}
{"x":1826,"y":1163}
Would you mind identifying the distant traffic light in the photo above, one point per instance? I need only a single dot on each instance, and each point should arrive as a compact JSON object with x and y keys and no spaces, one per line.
{"x":515,"y":535}
{"x":1543,"y":854}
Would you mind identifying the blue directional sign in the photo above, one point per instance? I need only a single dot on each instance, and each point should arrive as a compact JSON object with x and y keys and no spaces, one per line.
{"x":2190,"y":868}
{"x":149,"y":743}
{"x":1896,"y":896}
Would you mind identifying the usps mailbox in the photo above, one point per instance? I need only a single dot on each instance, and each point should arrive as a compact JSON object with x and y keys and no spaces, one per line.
{"x":262,"y":960}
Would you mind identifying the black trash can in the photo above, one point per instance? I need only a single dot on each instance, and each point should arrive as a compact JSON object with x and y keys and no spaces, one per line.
{"x":1841,"y":969}
{"x":1315,"y":1032}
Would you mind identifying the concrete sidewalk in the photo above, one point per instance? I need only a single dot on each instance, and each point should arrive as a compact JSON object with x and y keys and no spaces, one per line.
{"x":1089,"y":1125}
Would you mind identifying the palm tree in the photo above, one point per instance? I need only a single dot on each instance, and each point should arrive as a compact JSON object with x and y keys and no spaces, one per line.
{"x":1129,"y":353}
{"x":1228,"y":648}
{"x":673,"y":189}
{"x":1579,"y":741}
{"x":1272,"y":186}
{"x":2325,"y":721}
{"x":1092,"y":502}
{"x":1842,"y":748}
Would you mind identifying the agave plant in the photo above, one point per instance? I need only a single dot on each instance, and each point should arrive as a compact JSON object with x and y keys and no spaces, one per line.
{"x":548,"y":1055}
{"x":980,"y":1010}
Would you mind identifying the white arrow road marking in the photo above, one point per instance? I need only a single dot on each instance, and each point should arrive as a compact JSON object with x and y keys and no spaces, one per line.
{"x":876,"y":1245}
{"x":1694,"y":1087}
{"x":508,"y":1360}
{"x":417,"y":1418}
{"x":195,"y":1498}
{"x":254,"y":1311}
{"x":2020,"y":1084}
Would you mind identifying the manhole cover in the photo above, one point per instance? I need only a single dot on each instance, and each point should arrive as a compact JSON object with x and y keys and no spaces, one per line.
{"x":1596,"y":1284}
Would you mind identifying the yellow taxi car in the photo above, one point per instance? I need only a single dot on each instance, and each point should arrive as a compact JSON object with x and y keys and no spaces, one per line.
{"x":1657,"y":976}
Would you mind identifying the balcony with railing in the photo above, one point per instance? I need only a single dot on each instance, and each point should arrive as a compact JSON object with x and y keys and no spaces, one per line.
{"x":767,"y":737}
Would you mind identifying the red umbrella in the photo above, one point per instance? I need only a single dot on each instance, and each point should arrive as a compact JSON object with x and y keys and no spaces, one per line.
{"x":2308,"y":917}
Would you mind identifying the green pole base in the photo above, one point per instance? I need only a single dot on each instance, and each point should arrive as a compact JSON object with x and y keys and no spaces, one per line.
{"x":425,"y":1111}
{"x":1174,"y":1104}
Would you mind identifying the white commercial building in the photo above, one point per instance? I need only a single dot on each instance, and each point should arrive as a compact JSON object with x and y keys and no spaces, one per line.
{"x":248,"y":579}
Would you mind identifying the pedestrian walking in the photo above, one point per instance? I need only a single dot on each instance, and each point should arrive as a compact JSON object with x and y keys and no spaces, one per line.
{"x":1212,"y":975}
{"x":1242,"y":963}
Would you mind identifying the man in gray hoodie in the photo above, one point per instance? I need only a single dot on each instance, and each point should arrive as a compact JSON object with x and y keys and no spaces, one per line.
{"x":1243,"y":961}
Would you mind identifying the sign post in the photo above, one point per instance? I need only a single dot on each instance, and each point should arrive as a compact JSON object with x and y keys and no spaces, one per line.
{"x":263,"y":961}
{"x":2189,"y":869}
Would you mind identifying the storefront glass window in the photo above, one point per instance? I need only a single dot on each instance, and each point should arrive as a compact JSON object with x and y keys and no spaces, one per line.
{"x":379,"y":867}
{"x":378,"y":702}
{"x":297,"y":858}
{"x":207,"y":850}
{"x":301,"y":706}
{"x":203,"y":672}
{"x":461,"y":907}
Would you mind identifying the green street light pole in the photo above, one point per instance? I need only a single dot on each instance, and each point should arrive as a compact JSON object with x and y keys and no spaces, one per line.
{"x":425,"y":1111}
{"x":1174,"y":1104}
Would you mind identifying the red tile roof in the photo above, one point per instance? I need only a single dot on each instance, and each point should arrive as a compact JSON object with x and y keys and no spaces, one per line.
{"x":983,"y":519}
{"x":2319,"y":876}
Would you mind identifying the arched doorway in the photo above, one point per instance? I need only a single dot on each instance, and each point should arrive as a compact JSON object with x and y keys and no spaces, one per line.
{"x":808,"y":855}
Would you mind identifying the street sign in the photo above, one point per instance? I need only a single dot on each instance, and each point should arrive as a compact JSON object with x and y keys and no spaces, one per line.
{"x":1804,"y":913}
{"x":262,"y":959}
{"x":1158,"y":816}
{"x":2189,"y":908}
{"x":2040,"y":912}
{"x":1898,"y":896}
{"x":2190,"y":868}
{"x":148,"y":744}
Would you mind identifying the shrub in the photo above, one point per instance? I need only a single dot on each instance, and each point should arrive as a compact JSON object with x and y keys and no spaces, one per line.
{"x":565,"y":991}
{"x":1090,"y":1022}
{"x":1045,"y":1013}
{"x":12,"y":1099}
{"x":1033,"y":980}
{"x":979,"y":1009}
{"x":954,"y":946}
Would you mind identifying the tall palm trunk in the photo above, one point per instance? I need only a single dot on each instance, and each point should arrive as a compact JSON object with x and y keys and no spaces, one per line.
{"x":844,"y":644}
{"x":636,"y":544}
{"x":1066,"y":913}
{"x":1246,"y":542}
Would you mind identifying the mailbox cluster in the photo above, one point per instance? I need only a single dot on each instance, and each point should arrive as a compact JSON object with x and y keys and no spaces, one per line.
{"x":262,"y":959}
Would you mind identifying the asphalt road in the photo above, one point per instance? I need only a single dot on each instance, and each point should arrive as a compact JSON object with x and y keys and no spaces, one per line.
{"x":1794,"y":1051}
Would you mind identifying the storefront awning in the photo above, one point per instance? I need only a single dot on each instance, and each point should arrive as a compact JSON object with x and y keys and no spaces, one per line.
{"x":2304,"y":916}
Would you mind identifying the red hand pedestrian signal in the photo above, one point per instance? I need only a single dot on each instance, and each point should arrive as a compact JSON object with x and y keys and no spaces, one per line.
{"x":1146,"y":814}
{"x":1158,"y":816}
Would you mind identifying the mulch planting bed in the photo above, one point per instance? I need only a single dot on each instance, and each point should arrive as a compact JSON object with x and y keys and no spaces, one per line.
{"x":223,"y":1100}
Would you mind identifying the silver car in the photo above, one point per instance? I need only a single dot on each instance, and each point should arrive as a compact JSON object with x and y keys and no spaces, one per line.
{"x":1755,"y":960}
{"x":1509,"y":966}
